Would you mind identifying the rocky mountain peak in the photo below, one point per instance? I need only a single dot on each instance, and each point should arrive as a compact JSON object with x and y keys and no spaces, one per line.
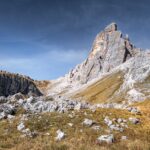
{"x":111,"y":27}
{"x":110,"y":49}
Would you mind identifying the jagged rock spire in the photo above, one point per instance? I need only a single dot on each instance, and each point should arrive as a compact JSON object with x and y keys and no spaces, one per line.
{"x":109,"y":50}
{"x":111,"y":27}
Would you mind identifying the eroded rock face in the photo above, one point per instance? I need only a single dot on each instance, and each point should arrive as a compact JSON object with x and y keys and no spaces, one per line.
{"x":110,"y":49}
{"x":11,"y":84}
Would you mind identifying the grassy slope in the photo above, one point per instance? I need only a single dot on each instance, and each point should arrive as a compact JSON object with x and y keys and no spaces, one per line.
{"x":43,"y":85}
{"x":102,"y":90}
{"x":138,"y":135}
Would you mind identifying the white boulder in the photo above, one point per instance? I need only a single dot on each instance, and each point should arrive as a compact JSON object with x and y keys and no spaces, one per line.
{"x":60,"y":135}
{"x":21,"y":126}
{"x":105,"y":138}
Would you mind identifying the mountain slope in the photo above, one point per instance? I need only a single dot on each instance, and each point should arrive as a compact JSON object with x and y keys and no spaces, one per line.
{"x":114,"y":71}
{"x":128,"y":82}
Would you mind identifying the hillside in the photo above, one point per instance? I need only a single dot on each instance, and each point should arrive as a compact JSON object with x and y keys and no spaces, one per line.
{"x":130,"y":82}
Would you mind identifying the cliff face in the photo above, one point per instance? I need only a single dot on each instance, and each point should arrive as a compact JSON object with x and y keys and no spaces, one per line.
{"x":110,"y":49}
{"x":11,"y":84}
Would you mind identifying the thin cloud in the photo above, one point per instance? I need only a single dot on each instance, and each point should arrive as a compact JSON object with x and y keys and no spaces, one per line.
{"x":51,"y":64}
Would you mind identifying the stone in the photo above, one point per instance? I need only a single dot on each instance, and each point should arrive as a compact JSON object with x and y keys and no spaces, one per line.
{"x":107,"y":121}
{"x":60,"y":135}
{"x":123,"y":125}
{"x":114,"y":119}
{"x":48,"y":134}
{"x":124,"y":120}
{"x":7,"y":109}
{"x":70,"y":124}
{"x":105,"y":138}
{"x":31,"y":99}
{"x":135,"y":111}
{"x":96,"y":127}
{"x":3,"y":115}
{"x":88,"y":122}
{"x":61,"y":105}
{"x":21,"y":102}
{"x":16,"y":97}
{"x":10,"y":116}
{"x":114,"y":127}
{"x":78,"y":106}
{"x":120,"y":120}
{"x":28,"y":133}
{"x":124,"y":138}
{"x":21,"y":126}
{"x":134,"y":120}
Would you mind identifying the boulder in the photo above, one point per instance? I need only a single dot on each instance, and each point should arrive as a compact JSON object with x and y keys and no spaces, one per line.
{"x":96,"y":127}
{"x":21,"y":126}
{"x":88,"y":122}
{"x":134,"y":120}
{"x":108,"y":121}
{"x":115,"y":127}
{"x":7,"y":109}
{"x":105,"y":138}
{"x":70,"y":124}
{"x":60,"y":135}
{"x":3,"y":115}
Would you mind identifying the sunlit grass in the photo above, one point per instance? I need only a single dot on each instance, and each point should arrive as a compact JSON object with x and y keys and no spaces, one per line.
{"x":78,"y":137}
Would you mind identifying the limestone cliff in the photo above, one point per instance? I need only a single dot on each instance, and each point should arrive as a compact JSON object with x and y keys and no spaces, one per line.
{"x":11,"y":84}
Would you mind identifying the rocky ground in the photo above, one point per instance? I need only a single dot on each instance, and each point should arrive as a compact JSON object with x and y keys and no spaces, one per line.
{"x":49,"y":123}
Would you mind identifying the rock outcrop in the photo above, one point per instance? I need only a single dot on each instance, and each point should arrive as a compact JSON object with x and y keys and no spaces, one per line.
{"x":110,"y":49}
{"x":11,"y":84}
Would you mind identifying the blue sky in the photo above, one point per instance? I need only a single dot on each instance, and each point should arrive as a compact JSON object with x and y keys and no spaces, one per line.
{"x":46,"y":38}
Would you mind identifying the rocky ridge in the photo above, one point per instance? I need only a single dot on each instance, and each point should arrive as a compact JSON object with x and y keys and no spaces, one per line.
{"x":11,"y":84}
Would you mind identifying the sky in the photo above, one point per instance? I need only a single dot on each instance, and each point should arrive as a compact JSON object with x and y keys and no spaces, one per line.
{"x":44,"y":39}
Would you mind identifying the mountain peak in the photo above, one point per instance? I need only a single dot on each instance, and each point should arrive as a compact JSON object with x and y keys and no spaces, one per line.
{"x":111,"y":27}
{"x":110,"y":49}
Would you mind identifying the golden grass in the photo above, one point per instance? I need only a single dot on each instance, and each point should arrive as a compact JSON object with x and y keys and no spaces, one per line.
{"x":42,"y":85}
{"x":138,"y":135}
{"x":102,"y":90}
